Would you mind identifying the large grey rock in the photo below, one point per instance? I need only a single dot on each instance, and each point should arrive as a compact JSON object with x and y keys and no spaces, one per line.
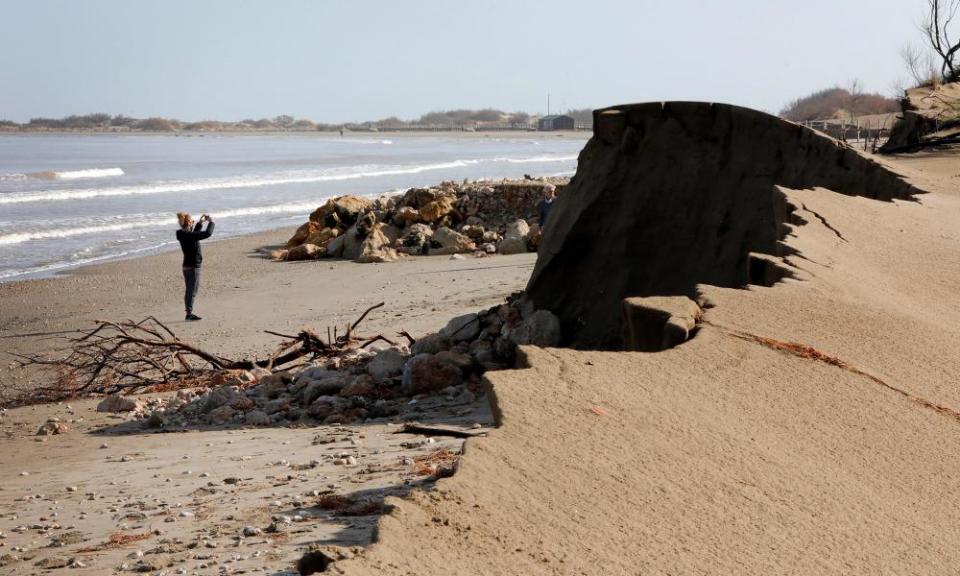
{"x":327,"y":384}
{"x":462,"y":328}
{"x":222,"y":396}
{"x":451,"y":242}
{"x":542,"y":328}
{"x":426,"y":373}
{"x":430,"y":344}
{"x":386,"y":364}
{"x":515,"y":238}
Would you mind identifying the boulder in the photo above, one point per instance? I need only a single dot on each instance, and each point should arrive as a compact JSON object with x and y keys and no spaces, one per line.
{"x":430,"y":344}
{"x":436,"y":210}
{"x":418,"y":197}
{"x":302,"y":233}
{"x":376,"y":247}
{"x":219,"y":397}
{"x":221,"y":415}
{"x":335,"y":246}
{"x":321,"y":237}
{"x":451,"y":242}
{"x":305,"y":252}
{"x":386,"y":364}
{"x":340,"y":211}
{"x":416,"y":239}
{"x":515,"y":238}
{"x":541,"y":328}
{"x":116,"y":403}
{"x":426,"y":373}
{"x":256,"y":418}
{"x":331,"y":383}
{"x":362,"y":385}
{"x":462,"y":328}
{"x":352,"y":244}
{"x":405,"y":216}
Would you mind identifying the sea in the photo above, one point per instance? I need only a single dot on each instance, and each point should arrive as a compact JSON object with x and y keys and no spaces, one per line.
{"x":71,"y":200}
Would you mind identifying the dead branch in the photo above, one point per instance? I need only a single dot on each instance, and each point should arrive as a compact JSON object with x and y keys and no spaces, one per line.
{"x":132,"y":357}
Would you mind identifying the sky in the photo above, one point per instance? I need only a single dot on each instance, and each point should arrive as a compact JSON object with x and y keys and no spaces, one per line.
{"x":341,"y":61}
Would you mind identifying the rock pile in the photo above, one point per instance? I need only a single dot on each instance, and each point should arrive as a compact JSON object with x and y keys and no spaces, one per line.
{"x":366,"y":383}
{"x":451,"y":218}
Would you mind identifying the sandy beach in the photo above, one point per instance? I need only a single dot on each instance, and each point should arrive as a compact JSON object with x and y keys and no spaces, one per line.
{"x":242,"y":294}
{"x":737,"y":452}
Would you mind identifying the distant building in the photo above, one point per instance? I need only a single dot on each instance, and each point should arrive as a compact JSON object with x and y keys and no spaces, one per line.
{"x":555,"y":122}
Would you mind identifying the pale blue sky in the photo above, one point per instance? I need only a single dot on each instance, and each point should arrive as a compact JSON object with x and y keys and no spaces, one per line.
{"x":361,"y":60}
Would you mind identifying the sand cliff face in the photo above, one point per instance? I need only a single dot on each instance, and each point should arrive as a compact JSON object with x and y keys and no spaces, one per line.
{"x":670,"y":195}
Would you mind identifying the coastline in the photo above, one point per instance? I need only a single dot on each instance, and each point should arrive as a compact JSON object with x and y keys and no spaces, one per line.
{"x":242,"y":294}
{"x":527,"y":134}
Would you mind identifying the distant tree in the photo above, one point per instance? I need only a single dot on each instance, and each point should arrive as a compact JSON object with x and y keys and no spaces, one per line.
{"x":519,"y":119}
{"x":157,"y":125}
{"x":303,"y":124}
{"x":486,"y":115}
{"x":582,"y":116}
{"x":283,"y":120}
{"x":121,"y":120}
{"x":837,"y":102}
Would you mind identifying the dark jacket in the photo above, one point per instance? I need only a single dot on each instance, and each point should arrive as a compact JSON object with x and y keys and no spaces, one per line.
{"x":544,"y":210}
{"x":190,"y":244}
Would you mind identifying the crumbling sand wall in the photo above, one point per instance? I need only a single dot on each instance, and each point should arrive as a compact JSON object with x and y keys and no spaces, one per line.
{"x":669,"y":195}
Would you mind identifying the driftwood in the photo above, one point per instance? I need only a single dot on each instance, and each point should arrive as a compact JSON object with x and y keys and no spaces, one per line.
{"x":147,"y":355}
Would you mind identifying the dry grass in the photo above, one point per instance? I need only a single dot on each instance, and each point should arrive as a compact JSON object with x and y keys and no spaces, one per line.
{"x":347,"y":506}
{"x":811,"y":353}
{"x":117,"y":540}
{"x":441,"y":463}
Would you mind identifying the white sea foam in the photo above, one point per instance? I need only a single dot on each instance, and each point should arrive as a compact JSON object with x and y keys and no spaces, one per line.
{"x":90,"y":173}
{"x":47,"y":268}
{"x":229,"y":183}
{"x":142,"y":221}
{"x":538,"y":159}
{"x":66,"y":175}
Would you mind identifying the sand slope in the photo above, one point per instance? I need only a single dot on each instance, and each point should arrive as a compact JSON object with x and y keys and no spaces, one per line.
{"x":723,"y":456}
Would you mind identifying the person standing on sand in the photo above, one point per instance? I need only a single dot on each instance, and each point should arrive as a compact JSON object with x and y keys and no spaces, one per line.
{"x":189,"y":237}
{"x":543,"y":208}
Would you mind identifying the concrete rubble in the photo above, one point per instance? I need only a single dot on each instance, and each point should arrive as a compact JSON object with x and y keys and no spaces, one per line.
{"x":376,"y":382}
{"x":478,"y":217}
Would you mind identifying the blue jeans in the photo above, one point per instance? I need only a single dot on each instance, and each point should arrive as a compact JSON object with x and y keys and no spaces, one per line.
{"x":191,"y":277}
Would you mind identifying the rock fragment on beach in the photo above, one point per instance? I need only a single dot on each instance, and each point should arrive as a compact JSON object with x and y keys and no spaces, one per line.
{"x":52,"y":427}
{"x":450,"y":242}
{"x":515,"y":238}
{"x":116,"y":403}
{"x":305,"y":252}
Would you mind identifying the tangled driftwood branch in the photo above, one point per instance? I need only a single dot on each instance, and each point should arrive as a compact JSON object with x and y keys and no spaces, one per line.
{"x":147,"y":355}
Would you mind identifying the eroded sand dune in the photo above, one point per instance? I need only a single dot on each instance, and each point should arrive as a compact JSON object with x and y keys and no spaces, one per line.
{"x":809,"y":427}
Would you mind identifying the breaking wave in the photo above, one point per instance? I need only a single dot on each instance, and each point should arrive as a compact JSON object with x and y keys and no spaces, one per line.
{"x":66,"y":175}
{"x":139,"y":221}
{"x":47,"y":268}
{"x":227,"y":183}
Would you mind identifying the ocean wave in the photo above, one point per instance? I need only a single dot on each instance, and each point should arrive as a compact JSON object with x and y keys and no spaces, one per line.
{"x":65,"y":175}
{"x":6,"y":275}
{"x":538,"y":159}
{"x":139,"y":221}
{"x":228,"y":183}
